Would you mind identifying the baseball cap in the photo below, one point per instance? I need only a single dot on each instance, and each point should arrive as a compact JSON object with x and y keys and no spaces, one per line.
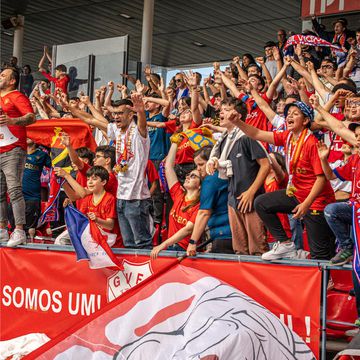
{"x":305,"y":109}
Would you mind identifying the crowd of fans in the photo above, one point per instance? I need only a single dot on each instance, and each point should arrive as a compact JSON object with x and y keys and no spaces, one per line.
{"x":245,"y":161}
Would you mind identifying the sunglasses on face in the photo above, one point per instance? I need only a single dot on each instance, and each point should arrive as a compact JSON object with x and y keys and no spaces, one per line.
{"x":178,"y":80}
{"x":326,"y":66}
{"x":192,"y":176}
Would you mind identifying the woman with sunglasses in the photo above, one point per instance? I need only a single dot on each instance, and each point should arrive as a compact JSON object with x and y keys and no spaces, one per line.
{"x":183,"y":213}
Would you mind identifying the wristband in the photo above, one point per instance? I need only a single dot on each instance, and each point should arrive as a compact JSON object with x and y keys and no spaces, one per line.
{"x":192,"y":242}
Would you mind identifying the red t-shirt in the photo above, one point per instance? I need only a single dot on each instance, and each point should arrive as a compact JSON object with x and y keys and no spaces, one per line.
{"x":336,"y":142}
{"x":15,"y":104}
{"x":104,"y":209}
{"x":351,"y":172}
{"x":178,"y":218}
{"x":151,"y":172}
{"x":308,"y":167}
{"x":255,"y":116}
{"x":185,"y":153}
{"x":272,"y":186}
{"x":59,"y":83}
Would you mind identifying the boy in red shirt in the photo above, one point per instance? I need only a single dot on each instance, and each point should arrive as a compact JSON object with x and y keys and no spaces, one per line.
{"x":61,"y":79}
{"x":99,"y":206}
{"x":308,"y":191}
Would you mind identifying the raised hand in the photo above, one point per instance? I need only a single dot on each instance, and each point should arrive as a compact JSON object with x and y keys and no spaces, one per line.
{"x":65,"y":139}
{"x":138,"y":103}
{"x":233,"y":116}
{"x":323,"y":150}
{"x":287,"y":60}
{"x":298,"y":50}
{"x":191,"y":79}
{"x":60,"y":172}
{"x":314,"y":101}
{"x":236,"y":60}
{"x":85,"y":100}
{"x":111,"y":86}
{"x":260,"y":60}
{"x":139,"y":86}
{"x":310,"y":66}
{"x":161,"y":85}
{"x":276,"y":53}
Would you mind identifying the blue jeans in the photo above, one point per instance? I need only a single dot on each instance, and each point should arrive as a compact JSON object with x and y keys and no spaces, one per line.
{"x":296,"y":231}
{"x":339,"y":217}
{"x":134,"y":222}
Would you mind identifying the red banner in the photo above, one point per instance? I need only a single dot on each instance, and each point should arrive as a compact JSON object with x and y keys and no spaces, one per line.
{"x":324,"y":7}
{"x":46,"y":132}
{"x":48,"y":292}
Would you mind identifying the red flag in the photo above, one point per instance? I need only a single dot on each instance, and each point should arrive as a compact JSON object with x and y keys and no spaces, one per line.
{"x":46,"y":132}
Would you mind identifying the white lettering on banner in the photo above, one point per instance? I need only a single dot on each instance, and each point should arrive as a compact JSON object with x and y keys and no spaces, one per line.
{"x":83,"y":303}
{"x":324,"y":4}
{"x":45,"y":300}
{"x":290,"y":325}
{"x":122,"y":281}
{"x":32,"y":299}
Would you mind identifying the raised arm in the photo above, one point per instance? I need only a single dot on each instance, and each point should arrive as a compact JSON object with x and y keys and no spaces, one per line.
{"x":170,"y":173}
{"x":322,"y":90}
{"x":138,"y":107}
{"x":230,"y":85}
{"x":276,"y":81}
{"x":194,"y":98}
{"x":263,"y":105}
{"x":335,"y":125}
{"x":323,"y":152}
{"x":243,"y":75}
{"x":109,"y":94}
{"x":264,"y":69}
{"x":65,"y":140}
{"x":251,"y":131}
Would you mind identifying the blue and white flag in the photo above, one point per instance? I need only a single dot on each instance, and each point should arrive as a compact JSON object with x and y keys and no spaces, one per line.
{"x":89,"y":241}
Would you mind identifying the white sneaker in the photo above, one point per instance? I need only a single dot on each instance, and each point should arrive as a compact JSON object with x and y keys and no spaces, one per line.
{"x":4,"y":235}
{"x":280,"y":250}
{"x":16,"y":238}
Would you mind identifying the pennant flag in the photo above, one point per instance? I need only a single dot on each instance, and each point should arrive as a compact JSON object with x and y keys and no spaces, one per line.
{"x":356,"y":232}
{"x":90,"y":243}
{"x":179,"y":313}
{"x":51,"y":212}
{"x":310,"y":40}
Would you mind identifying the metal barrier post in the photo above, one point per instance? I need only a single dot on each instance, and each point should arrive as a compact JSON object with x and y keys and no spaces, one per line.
{"x":325,"y":279}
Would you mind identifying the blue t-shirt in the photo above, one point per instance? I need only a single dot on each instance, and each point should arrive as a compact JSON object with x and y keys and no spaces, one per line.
{"x":32,"y":172}
{"x":214,"y":197}
{"x":159,"y":141}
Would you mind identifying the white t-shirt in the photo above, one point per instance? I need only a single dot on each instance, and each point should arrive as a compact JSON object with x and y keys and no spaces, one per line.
{"x":337,"y":184}
{"x":132,"y":184}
